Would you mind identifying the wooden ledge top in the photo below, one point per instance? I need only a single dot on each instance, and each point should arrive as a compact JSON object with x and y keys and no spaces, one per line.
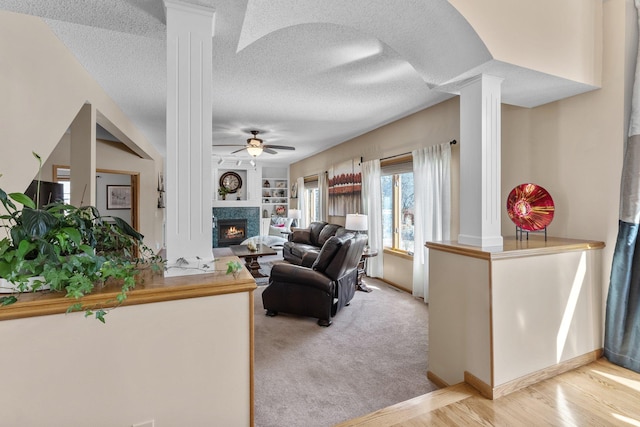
{"x":516,"y":248}
{"x":153,"y":289}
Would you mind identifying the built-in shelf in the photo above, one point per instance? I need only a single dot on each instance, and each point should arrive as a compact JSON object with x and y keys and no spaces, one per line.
{"x":274,"y":191}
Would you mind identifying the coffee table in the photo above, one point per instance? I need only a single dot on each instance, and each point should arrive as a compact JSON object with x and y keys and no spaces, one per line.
{"x":251,"y":257}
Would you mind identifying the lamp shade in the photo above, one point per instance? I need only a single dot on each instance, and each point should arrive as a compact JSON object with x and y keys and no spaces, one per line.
{"x":254,"y":151}
{"x":356,"y":222}
{"x":295,"y":213}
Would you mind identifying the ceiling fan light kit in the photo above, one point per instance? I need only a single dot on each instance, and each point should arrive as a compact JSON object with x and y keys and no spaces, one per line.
{"x":255,"y":146}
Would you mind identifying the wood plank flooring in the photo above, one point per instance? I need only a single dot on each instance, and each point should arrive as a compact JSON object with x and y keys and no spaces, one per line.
{"x":598,"y":394}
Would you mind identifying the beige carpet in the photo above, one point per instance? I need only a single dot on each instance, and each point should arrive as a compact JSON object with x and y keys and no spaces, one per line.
{"x":372,"y":356}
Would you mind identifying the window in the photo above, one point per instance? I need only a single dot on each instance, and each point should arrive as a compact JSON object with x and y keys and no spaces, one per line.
{"x":398,"y":206}
{"x":311,"y":201}
{"x":66,"y":185}
{"x":62,"y":175}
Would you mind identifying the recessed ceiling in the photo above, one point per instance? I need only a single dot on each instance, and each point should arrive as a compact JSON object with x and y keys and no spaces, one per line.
{"x":305,"y":73}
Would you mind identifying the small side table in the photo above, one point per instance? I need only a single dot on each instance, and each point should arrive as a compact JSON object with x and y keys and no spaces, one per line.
{"x":362,"y":269}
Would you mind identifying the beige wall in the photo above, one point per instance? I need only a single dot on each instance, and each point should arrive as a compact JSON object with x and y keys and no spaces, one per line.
{"x":171,"y":362}
{"x":551,"y":36}
{"x":572,"y":147}
{"x":43,"y":87}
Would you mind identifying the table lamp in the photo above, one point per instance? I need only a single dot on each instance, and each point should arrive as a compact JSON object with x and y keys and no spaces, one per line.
{"x":296,"y":214}
{"x":358,"y":223}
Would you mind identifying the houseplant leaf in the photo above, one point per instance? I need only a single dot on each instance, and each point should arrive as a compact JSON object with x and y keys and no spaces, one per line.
{"x":37,"y":222}
{"x":127,"y":229}
{"x":6,"y":201}
{"x":23,"y":199}
{"x":8,"y":300}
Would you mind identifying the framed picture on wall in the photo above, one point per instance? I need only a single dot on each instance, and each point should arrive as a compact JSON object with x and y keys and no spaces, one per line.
{"x":118,"y":197}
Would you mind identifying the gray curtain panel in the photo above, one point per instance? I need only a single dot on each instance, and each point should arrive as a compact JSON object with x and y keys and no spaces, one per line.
{"x":622,"y":325}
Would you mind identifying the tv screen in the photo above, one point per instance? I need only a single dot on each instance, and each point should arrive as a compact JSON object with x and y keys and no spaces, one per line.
{"x":49,"y":192}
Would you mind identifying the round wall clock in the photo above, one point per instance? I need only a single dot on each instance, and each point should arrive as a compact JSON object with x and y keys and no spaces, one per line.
{"x":231,"y":181}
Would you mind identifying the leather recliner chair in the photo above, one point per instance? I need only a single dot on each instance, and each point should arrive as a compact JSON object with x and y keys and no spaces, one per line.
{"x":322,"y":290}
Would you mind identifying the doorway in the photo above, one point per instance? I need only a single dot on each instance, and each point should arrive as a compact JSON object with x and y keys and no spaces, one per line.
{"x":117,"y":192}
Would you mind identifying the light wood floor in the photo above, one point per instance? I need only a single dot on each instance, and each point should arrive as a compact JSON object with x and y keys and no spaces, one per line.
{"x":598,"y":394}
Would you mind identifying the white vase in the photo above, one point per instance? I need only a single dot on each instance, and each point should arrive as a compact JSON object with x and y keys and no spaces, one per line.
{"x":7,"y":287}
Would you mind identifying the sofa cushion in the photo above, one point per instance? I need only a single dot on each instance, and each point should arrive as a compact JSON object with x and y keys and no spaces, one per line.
{"x":299,"y":249}
{"x":328,"y":251}
{"x":315,"y":228}
{"x":327,"y":231}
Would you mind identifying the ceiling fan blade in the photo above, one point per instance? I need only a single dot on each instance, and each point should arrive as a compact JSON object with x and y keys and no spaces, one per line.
{"x":237,"y":151}
{"x":278,"y":147}
{"x":268,"y":150}
{"x":229,"y":145}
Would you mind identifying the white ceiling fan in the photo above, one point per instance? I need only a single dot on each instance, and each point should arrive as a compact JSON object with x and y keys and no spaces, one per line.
{"x":255,"y":146}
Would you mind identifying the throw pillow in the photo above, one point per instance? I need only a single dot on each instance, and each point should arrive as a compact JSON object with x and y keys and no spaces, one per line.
{"x":301,"y":236}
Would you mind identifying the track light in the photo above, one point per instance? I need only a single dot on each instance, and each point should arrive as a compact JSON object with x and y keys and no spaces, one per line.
{"x":221,"y":161}
{"x":252,"y":162}
{"x":239,"y":162}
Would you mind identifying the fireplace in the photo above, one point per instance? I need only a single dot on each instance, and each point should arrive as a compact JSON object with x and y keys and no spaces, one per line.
{"x":231,"y":231}
{"x":250,"y":213}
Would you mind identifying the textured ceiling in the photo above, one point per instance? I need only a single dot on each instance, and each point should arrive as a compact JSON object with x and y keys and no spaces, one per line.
{"x":306,"y":73}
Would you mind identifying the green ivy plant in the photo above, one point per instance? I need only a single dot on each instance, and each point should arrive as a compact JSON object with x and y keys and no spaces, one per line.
{"x":72,"y":249}
{"x":223,"y":191}
{"x":234,"y":267}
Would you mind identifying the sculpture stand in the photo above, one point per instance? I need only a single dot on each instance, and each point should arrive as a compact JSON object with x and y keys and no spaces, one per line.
{"x":520,"y":232}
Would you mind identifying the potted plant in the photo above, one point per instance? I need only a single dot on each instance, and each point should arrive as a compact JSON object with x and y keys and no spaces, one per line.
{"x":223,"y":191}
{"x":68,"y":249}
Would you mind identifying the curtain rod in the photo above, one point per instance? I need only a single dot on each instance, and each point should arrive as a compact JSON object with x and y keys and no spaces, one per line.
{"x":397,"y":155}
{"x":452,"y":142}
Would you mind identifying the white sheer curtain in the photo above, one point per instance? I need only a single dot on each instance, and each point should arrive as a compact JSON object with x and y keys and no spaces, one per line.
{"x":302,"y":202}
{"x":372,"y":206}
{"x":432,"y":212}
{"x":323,"y":189}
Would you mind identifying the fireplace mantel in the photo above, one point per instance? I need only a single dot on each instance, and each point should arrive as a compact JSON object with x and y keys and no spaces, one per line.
{"x":235,"y":203}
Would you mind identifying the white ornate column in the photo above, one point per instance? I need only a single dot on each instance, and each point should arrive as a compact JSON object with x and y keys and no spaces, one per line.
{"x":83,"y":157}
{"x":480,"y":170}
{"x":189,"y":130}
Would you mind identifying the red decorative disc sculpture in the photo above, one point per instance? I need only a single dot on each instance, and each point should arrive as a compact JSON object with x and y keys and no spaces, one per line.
{"x":530,"y":207}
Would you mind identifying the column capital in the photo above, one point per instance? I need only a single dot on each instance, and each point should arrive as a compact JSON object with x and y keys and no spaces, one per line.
{"x":188,"y":7}
{"x":193,"y":11}
{"x":481,"y":77}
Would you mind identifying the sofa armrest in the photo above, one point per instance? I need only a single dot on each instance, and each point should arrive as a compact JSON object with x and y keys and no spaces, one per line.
{"x":301,"y":276}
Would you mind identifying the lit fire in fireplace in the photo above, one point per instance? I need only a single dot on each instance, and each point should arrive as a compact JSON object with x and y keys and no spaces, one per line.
{"x":234,"y":233}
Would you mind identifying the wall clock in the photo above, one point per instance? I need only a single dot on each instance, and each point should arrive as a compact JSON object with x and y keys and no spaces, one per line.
{"x":231,"y":181}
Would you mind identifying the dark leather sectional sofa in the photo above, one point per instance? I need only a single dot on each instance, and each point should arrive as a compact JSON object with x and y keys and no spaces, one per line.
{"x":303,"y":245}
